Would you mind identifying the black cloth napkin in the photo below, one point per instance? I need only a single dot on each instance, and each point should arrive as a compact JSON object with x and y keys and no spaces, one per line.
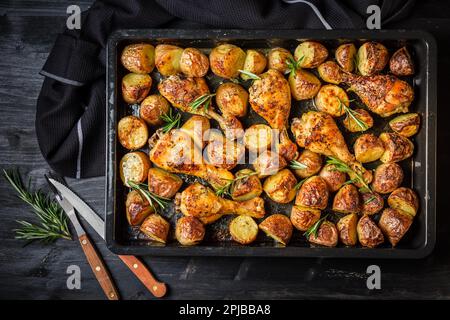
{"x":70,"y":116}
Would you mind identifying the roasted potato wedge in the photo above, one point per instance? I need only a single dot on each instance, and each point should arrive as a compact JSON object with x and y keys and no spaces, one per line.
{"x":396,"y":147}
{"x":330,"y":72}
{"x":369,"y":234}
{"x":278,"y":59}
{"x":372,"y":203}
{"x":394,"y":224}
{"x":372,"y":57}
{"x":189,"y":231}
{"x":163,"y":183}
{"x":334,"y":179}
{"x":368,"y":147}
{"x":132,"y":132}
{"x":138,"y":58}
{"x":223,"y":153}
{"x":280,"y":187}
{"x":327,"y":235}
{"x":364,"y":122}
{"x":387,"y":177}
{"x":406,"y":125}
{"x":156,"y":228}
{"x":330,"y":98}
{"x":401,"y":63}
{"x":313,"y":194}
{"x":278,"y":227}
{"x":258,"y":138}
{"x":152,"y":108}
{"x":226,"y":60}
{"x":167,"y":59}
{"x":304,"y":85}
{"x":346,"y":227}
{"x":194,"y":63}
{"x":135,"y":87}
{"x":310,"y":54}
{"x":134,"y":166}
{"x":347,"y":200}
{"x":137,"y":208}
{"x":345,"y":56}
{"x":232,"y":99}
{"x":404,"y":199}
{"x":246,"y":188}
{"x":268,"y":163}
{"x":255,"y":62}
{"x":243,"y":229}
{"x":312,"y":161}
{"x":303,"y":218}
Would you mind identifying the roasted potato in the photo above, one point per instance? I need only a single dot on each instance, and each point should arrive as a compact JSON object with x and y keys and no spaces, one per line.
{"x":232,"y":99}
{"x":246,"y":188}
{"x":387,"y":177}
{"x":163,"y":183}
{"x":372,"y":57}
{"x":347,"y":200}
{"x":189,"y":231}
{"x":372,"y":203}
{"x":194,"y":63}
{"x":396,"y":147}
{"x":226,"y":60}
{"x":167,"y":59}
{"x":346,"y":227}
{"x":278,"y":227}
{"x":365,"y":121}
{"x":313,"y":194}
{"x":369,"y":234}
{"x":406,"y":125}
{"x":135,"y":87}
{"x":132,"y":132}
{"x":223,"y":153}
{"x":268,"y":163}
{"x":303,"y":218}
{"x":137,"y":208}
{"x":258,"y":138}
{"x":152,"y":108}
{"x":278,"y":59}
{"x":138,"y":58}
{"x":327,"y":235}
{"x":243,"y":229}
{"x":310,"y":54}
{"x":304,"y":85}
{"x":334,"y":179}
{"x":198,"y":128}
{"x":368,"y":148}
{"x":255,"y":62}
{"x":156,"y":228}
{"x":330,"y":72}
{"x":280,"y":187}
{"x":404,"y":199}
{"x":401,"y":63}
{"x":345,"y":56}
{"x":312,"y":161}
{"x":394,"y":224}
{"x":330,"y":98}
{"x":134,"y":166}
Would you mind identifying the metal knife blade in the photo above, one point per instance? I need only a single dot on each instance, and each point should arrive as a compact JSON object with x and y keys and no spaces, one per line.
{"x":70,"y":212}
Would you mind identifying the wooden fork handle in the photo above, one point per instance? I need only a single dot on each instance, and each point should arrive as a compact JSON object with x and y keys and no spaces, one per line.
{"x":99,"y":269}
{"x":158,"y":289}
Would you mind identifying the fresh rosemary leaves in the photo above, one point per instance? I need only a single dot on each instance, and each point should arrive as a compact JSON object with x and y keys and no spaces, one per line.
{"x":296,"y":165}
{"x":315,"y":227}
{"x":171,"y":120}
{"x":251,"y":75}
{"x":225,"y":190}
{"x":293,"y":65}
{"x":153,"y":199}
{"x":204,"y":99}
{"x":353,"y":115}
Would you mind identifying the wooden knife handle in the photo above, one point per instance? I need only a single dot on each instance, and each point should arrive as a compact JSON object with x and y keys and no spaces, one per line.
{"x":99,"y":269}
{"x":158,"y":289}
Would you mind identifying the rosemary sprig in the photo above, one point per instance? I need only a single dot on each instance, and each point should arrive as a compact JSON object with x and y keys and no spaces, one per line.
{"x":315,"y":227}
{"x":294,"y":65}
{"x":52,"y":220}
{"x":343,"y":167}
{"x":153,"y":199}
{"x":370,"y":199}
{"x":353,"y":114}
{"x":296,"y":165}
{"x":204,"y":99}
{"x":225,"y":190}
{"x":249,"y":74}
{"x":171,"y":120}
{"x":299,"y":184}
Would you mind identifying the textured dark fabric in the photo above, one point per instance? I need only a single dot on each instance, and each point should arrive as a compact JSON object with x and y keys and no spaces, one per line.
{"x":70,"y":117}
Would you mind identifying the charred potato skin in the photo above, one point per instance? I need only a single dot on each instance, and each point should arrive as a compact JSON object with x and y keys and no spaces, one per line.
{"x":278,"y":227}
{"x":401,"y":63}
{"x":243,"y":229}
{"x":232,"y":99}
{"x":280,"y":187}
{"x":303,"y":218}
{"x":368,"y":148}
{"x":313,"y":194}
{"x":193,"y":63}
{"x":330,"y":72}
{"x":138,"y":58}
{"x":346,"y":227}
{"x":132,"y":132}
{"x":134,"y":166}
{"x":329,"y":99}
{"x":137,"y":208}
{"x":156,"y":228}
{"x":405,"y":200}
{"x":226,"y":60}
{"x":369,"y":234}
{"x":373,"y":206}
{"x":387,"y":178}
{"x":304,"y":85}
{"x":362,"y":115}
{"x":189,"y":231}
{"x":247,"y":188}
{"x":347,"y":200}
{"x":163,"y":183}
{"x":278,"y":58}
{"x":406,"y":125}
{"x":327,"y":235}
{"x":396,"y":147}
{"x":372,"y":58}
{"x":167,"y":59}
{"x":312,"y":161}
{"x":255,"y":62}
{"x":345,"y":56}
{"x":333,"y":178}
{"x":312,"y":54}
{"x":394,"y":224}
{"x":152,"y":108}
{"x":135,"y":87}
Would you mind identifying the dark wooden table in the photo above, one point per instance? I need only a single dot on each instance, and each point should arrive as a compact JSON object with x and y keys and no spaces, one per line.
{"x":27,"y":31}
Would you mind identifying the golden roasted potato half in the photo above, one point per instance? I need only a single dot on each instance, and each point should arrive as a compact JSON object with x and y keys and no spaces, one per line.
{"x":346,"y":227}
{"x":368,"y":147}
{"x":278,"y":59}
{"x":401,"y":63}
{"x":167,"y":59}
{"x":197,"y":127}
{"x":312,"y":161}
{"x":396,"y":147}
{"x":255,"y":62}
{"x":311,"y":54}
{"x":268,"y":163}
{"x":138,"y":58}
{"x":327,"y":235}
{"x":372,"y":203}
{"x":303,"y":218}
{"x":347,"y":200}
{"x":189,"y":231}
{"x":364,"y":122}
{"x":313,"y":194}
{"x":135,"y":87}
{"x":152,"y":108}
{"x":223,"y":153}
{"x":387,"y":177}
{"x":345,"y":56}
{"x":372,"y":57}
{"x":330,"y":98}
{"x":226,"y":60}
{"x":330,"y":72}
{"x":258,"y":137}
{"x":134,"y":166}
{"x":246,"y":188}
{"x":137,"y":208}
{"x":194,"y":63}
{"x":280,"y":187}
{"x":163,"y":183}
{"x":132,"y":132}
{"x":394,"y":224}
{"x":278,"y":227}
{"x":406,"y":125}
{"x":243,"y":229}
{"x":369,"y":234}
{"x":156,"y":228}
{"x":304,"y":85}
{"x":404,"y":199}
{"x":232,"y":99}
{"x":333,"y":178}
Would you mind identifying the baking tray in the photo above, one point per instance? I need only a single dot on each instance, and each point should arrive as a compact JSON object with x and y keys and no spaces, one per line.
{"x":420,"y":170}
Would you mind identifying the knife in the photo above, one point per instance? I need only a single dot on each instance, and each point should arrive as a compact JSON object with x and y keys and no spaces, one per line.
{"x":158,"y":289}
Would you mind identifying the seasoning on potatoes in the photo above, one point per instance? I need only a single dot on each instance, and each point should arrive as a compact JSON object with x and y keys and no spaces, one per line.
{"x":333,"y":178}
{"x":268,"y":163}
{"x":372,"y":57}
{"x":396,"y":147}
{"x":156,"y":228}
{"x":255,"y":62}
{"x":406,"y":125}
{"x":401,"y":63}
{"x":278,"y":59}
{"x":358,"y":120}
{"x":137,"y":208}
{"x":132,"y":132}
{"x":369,"y":234}
{"x":258,"y":138}
{"x":189,"y":231}
{"x":330,"y":72}
{"x":197,"y":128}
{"x":222,"y":152}
{"x":313,"y":193}
{"x":304,"y":85}
{"x":138,"y":58}
{"x":278,"y":227}
{"x":405,"y":200}
{"x":194,"y":63}
{"x":346,"y":227}
{"x":347,"y":200}
{"x":243,"y":229}
{"x":135,"y":87}
{"x":303,"y":218}
{"x":167,"y":59}
{"x":232,"y":99}
{"x":310,"y":54}
{"x":134,"y":166}
{"x":226,"y":60}
{"x":152,"y":108}
{"x":330,"y":98}
{"x":247,"y":187}
{"x":345,"y":56}
{"x":394,"y":224}
{"x":368,"y":147}
{"x":327,"y":235}
{"x":163,"y":183}
{"x":280,"y":187}
{"x":372,"y":203}
{"x":387,"y":177}
{"x":307,"y":164}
